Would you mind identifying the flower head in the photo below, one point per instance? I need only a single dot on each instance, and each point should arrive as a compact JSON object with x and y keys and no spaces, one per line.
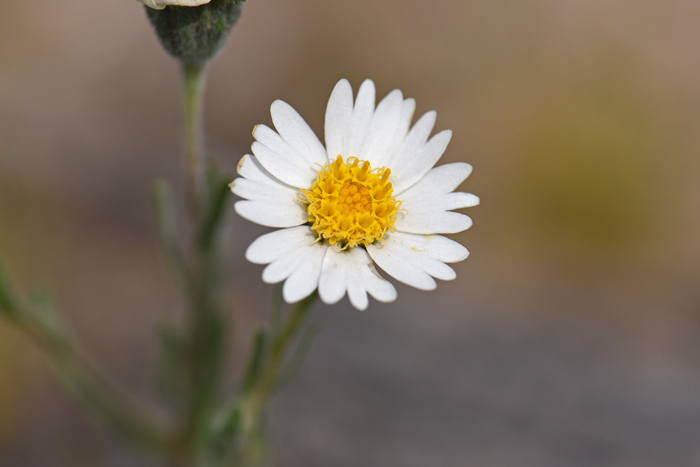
{"x":370,"y":196}
{"x":160,"y":4}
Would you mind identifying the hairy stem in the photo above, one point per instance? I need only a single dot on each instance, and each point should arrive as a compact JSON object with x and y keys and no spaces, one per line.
{"x":192,"y":100}
{"x":206,"y":324}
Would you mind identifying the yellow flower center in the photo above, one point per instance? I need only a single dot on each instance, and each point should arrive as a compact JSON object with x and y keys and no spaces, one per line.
{"x":351,"y":203}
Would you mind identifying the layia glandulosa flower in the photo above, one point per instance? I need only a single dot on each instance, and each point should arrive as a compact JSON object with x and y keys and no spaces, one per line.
{"x":160,"y":4}
{"x":371,"y":196}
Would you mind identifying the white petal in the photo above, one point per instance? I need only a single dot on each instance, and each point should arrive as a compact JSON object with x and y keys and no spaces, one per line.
{"x":425,"y":206}
{"x":352,"y":271}
{"x":332,"y":285}
{"x":440,"y":180}
{"x":266,"y":248}
{"x":160,"y":4}
{"x":275,"y":142}
{"x":408,"y":108}
{"x":412,"y":168}
{"x":432,"y":222}
{"x":294,"y":258}
{"x":271,"y":203}
{"x":338,"y":115}
{"x":270,"y":215}
{"x":360,"y":120}
{"x":418,"y":136}
{"x":297,"y":133}
{"x":153,"y":4}
{"x":385,"y":124}
{"x":285,"y":166}
{"x":358,"y":296}
{"x":291,"y":255}
{"x":250,"y":168}
{"x":403,"y":151}
{"x":413,"y":259}
{"x":304,"y":279}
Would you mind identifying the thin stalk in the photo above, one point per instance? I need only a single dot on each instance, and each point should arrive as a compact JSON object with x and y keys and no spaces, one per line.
{"x":277,"y":304}
{"x":205,"y":322}
{"x":193,"y":77}
{"x":254,"y":400}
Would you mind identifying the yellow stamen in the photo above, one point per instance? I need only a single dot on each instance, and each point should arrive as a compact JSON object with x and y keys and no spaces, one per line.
{"x":351,"y":204}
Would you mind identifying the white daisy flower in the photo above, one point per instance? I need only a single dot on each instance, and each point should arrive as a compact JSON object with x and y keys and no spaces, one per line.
{"x":160,"y":4}
{"x":371,"y":196}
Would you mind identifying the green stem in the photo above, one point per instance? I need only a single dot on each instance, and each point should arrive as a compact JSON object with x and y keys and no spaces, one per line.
{"x":206,"y":320}
{"x":192,"y":99}
{"x":255,"y":399}
{"x":277,"y":304}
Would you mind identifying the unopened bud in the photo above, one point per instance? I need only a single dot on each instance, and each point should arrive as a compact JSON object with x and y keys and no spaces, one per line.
{"x":193,"y":34}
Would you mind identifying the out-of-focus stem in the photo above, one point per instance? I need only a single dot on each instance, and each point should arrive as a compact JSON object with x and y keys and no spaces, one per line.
{"x":111,"y":407}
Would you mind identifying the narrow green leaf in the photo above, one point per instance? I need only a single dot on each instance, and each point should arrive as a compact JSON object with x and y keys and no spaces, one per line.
{"x":212,"y":358}
{"x":166,"y":226}
{"x":171,"y":367}
{"x":255,"y":360}
{"x":217,"y":192}
{"x":225,"y":429}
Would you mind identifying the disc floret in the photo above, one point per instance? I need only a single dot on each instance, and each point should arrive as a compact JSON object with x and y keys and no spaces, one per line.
{"x":351,"y":204}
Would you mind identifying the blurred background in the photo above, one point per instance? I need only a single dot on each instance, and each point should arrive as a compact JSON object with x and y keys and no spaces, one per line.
{"x":570,"y":337}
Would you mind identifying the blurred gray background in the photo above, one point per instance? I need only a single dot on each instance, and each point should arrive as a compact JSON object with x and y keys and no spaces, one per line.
{"x":570,"y":337}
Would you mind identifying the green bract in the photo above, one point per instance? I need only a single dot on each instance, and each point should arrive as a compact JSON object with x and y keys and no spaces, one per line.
{"x":193,"y":35}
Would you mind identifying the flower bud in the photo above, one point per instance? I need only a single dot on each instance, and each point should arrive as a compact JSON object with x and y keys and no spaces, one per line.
{"x":193,"y":34}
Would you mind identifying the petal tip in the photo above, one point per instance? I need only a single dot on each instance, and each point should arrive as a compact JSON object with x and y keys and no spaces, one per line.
{"x":368,"y":82}
{"x":293,"y":296}
{"x":390,"y":298}
{"x":343,"y":82}
{"x":361,"y":306}
{"x":277,"y":103}
{"x":240,"y":164}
